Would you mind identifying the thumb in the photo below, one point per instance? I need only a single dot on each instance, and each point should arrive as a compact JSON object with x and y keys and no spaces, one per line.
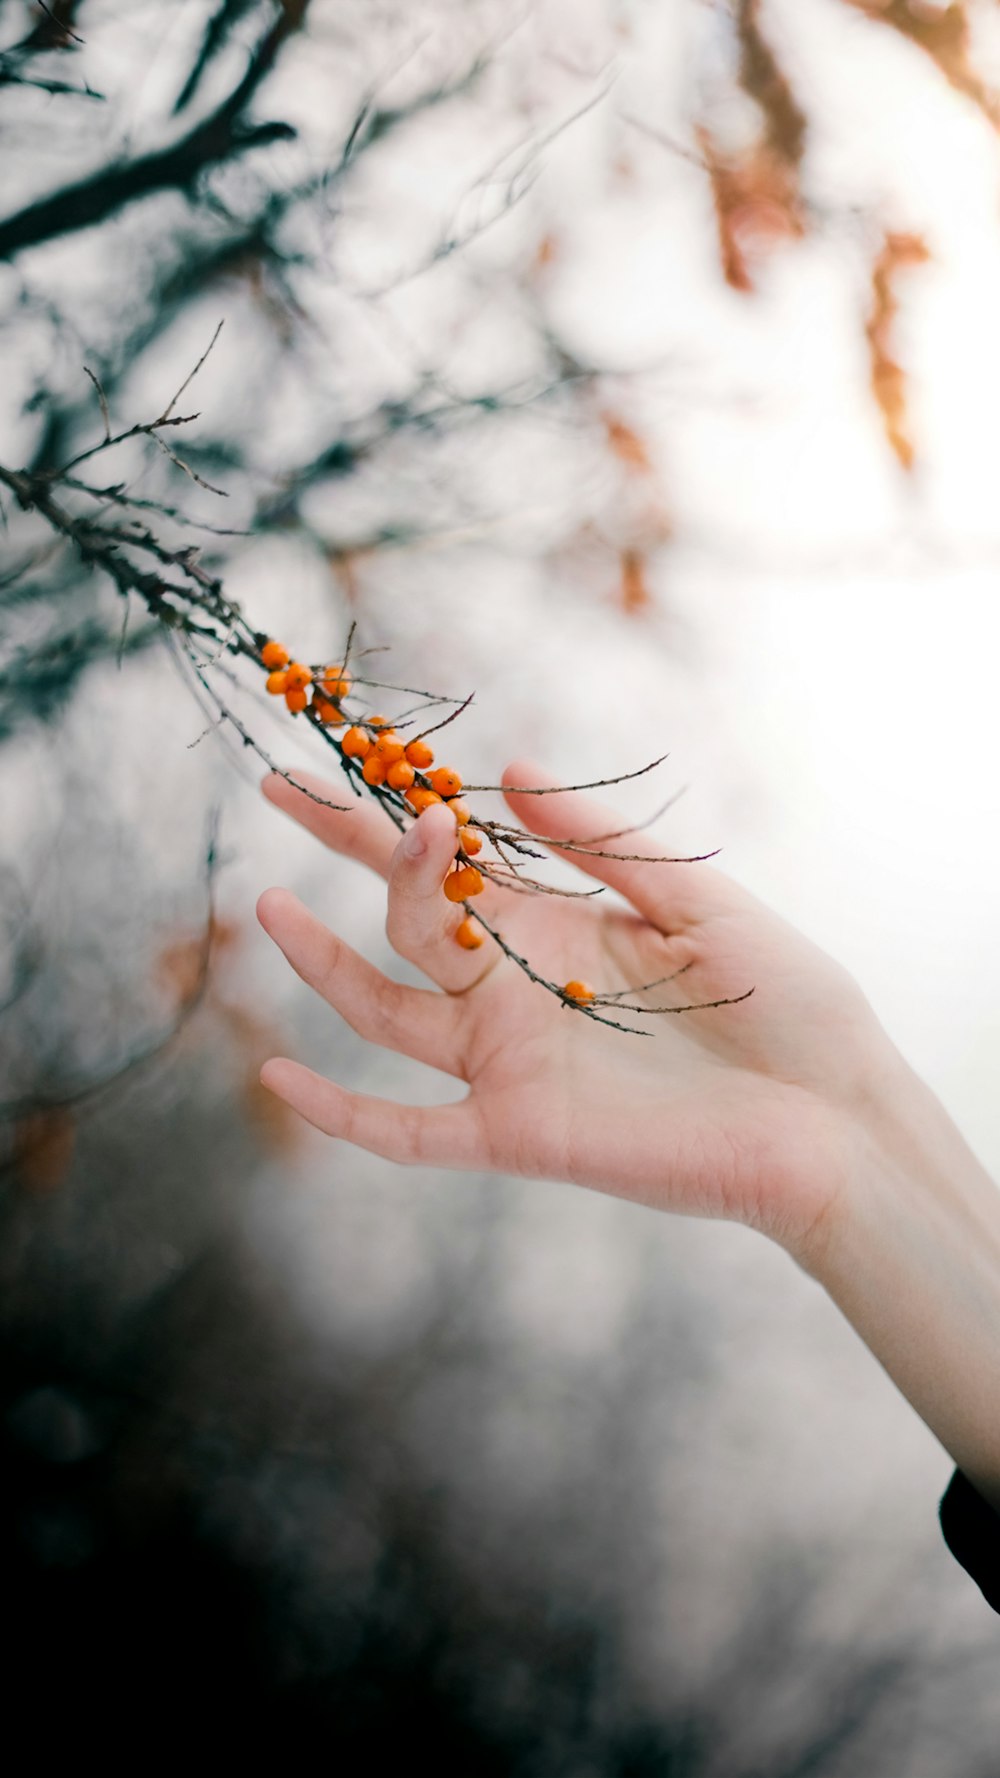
{"x":421,"y":922}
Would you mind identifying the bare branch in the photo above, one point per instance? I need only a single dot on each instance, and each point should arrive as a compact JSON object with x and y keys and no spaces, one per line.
{"x":189,"y":379}
{"x":102,"y":398}
{"x":563,"y":789}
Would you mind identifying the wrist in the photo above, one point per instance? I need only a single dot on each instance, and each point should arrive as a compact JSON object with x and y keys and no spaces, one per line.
{"x":908,"y":1247}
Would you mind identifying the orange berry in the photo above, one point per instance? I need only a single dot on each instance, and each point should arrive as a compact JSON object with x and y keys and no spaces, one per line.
{"x":578,"y":991}
{"x":460,"y":811}
{"x":356,"y":743}
{"x":463,"y":882}
{"x":273,"y":655}
{"x":400,"y":775}
{"x":336,"y":682}
{"x":378,"y":722}
{"x":472,"y":842}
{"x":328,"y":712}
{"x":420,"y":799}
{"x":373,"y":771}
{"x":296,"y":699}
{"x":299,"y":676}
{"x":420,"y":755}
{"x":469,"y":935}
{"x":389,"y":747}
{"x":277,"y":683}
{"x":445,"y":781}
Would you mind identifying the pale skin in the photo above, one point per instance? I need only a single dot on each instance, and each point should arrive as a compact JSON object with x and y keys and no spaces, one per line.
{"x":792,"y":1112}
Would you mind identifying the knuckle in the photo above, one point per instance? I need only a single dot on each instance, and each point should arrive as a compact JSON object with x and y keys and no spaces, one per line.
{"x":411,"y":1134}
{"x":382,"y":996}
{"x":325,"y":977}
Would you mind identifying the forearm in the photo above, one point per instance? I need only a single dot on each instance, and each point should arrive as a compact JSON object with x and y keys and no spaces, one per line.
{"x":910,"y":1253}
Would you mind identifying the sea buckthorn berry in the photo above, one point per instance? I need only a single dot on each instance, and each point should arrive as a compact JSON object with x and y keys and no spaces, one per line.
{"x":356,"y":744}
{"x":420,"y":755}
{"x":463,"y":882}
{"x":336,"y":682}
{"x":460,"y":810}
{"x":373,"y":771}
{"x":472,"y":842}
{"x":296,"y":699}
{"x":469,"y":935}
{"x":277,"y":683}
{"x":578,"y":991}
{"x":328,"y":712}
{"x":273,"y":655}
{"x":389,"y":747}
{"x":420,"y":799}
{"x":378,"y":722}
{"x":400,"y":775}
{"x":445,"y":781}
{"x":298,"y":676}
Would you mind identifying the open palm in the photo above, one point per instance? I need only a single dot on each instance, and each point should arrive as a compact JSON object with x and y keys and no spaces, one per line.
{"x":736,"y":1111}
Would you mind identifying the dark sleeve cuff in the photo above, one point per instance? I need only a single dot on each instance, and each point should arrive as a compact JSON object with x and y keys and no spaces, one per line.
{"x":972,"y":1532}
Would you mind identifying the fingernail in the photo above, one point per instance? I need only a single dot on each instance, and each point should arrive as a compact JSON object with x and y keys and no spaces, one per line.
{"x":414,"y":843}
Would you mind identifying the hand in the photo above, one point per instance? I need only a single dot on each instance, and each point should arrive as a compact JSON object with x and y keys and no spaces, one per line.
{"x":746,"y":1112}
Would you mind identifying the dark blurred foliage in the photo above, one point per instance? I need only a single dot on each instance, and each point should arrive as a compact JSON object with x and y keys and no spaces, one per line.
{"x":222,"y":1530}
{"x":221,"y":1536}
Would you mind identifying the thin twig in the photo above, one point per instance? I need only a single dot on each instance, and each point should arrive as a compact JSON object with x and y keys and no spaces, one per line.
{"x":542,"y":982}
{"x":694,"y":1006}
{"x":60,"y":24}
{"x":563,"y":789}
{"x":102,"y":398}
{"x":646,"y":987}
{"x":193,"y":473}
{"x":598,"y":839}
{"x":250,"y":740}
{"x":633,"y":857}
{"x":509,"y":877}
{"x":115,"y":495}
{"x":168,"y":410}
{"x":463,"y":706}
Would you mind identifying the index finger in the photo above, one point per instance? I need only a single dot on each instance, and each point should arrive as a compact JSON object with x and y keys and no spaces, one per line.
{"x":667,"y":890}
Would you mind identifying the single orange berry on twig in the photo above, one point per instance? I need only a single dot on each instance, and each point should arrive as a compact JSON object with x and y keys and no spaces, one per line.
{"x":277,"y":683}
{"x":273,"y":655}
{"x":469,"y":935}
{"x":460,"y":810}
{"x":578,"y":991}
{"x":471,"y":842}
{"x":336,"y":682}
{"x":296,"y":699}
{"x":373,"y":770}
{"x":400,"y":775}
{"x":420,"y":755}
{"x":445,"y":781}
{"x":420,"y":799}
{"x":356,"y":744}
{"x":298,"y":676}
{"x":378,"y":722}
{"x":389,"y":748}
{"x":328,"y":712}
{"x":463,"y":882}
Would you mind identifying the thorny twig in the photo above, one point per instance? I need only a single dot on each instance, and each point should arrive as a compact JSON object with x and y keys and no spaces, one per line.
{"x":562,"y":789}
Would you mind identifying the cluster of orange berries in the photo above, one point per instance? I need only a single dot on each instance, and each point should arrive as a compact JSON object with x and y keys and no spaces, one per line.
{"x":385,"y":759}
